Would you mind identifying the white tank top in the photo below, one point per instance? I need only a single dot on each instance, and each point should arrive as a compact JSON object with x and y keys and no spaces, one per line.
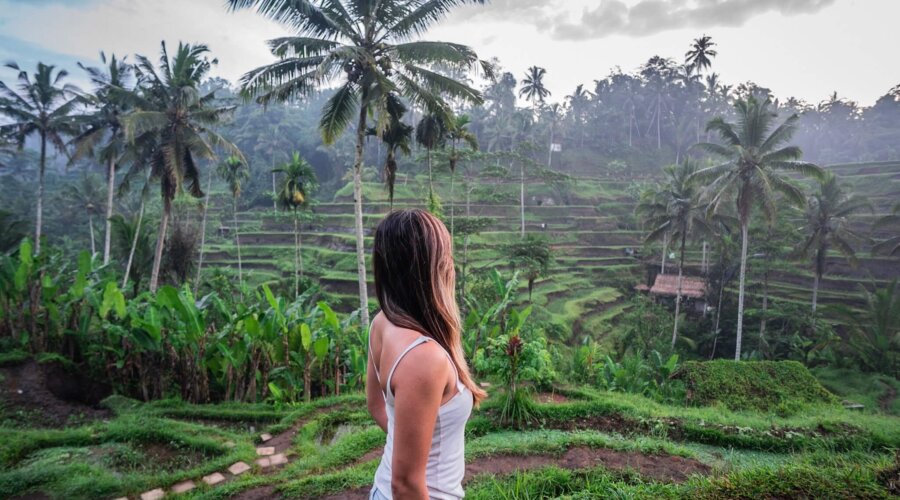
{"x":446,"y":460}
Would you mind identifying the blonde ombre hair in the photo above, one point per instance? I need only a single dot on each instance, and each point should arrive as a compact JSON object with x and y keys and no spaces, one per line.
{"x":415,"y":281}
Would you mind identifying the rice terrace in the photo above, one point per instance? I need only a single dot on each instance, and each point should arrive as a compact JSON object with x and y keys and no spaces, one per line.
{"x":671,"y":281}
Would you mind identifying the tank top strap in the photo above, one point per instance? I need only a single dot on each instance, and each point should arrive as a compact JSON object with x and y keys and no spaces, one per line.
{"x":369,"y":342}
{"x":419,"y":341}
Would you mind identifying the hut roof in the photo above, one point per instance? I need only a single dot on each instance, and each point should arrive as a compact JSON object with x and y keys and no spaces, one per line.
{"x":667,"y":284}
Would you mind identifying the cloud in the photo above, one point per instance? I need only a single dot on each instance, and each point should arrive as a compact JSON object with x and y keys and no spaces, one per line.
{"x":634,"y":18}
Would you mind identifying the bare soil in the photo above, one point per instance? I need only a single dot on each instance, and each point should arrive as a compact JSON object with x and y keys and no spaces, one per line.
{"x":666,"y":468}
{"x":50,"y":396}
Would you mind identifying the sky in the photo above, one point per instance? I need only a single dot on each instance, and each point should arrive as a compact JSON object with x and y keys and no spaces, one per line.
{"x":802,"y":48}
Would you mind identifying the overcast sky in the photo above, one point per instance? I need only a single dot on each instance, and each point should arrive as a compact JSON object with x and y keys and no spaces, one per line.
{"x":802,"y":48}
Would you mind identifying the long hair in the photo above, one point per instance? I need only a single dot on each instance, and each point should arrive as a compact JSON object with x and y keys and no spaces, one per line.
{"x":415,"y":281}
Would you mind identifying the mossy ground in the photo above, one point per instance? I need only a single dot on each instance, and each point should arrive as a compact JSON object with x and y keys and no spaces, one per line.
{"x":820,"y":450}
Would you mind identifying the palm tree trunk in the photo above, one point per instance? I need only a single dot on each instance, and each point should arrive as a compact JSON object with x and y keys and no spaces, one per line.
{"x":658,"y":117}
{"x":137,"y":232}
{"x":745,"y":241}
{"x":40,"y":196}
{"x":160,"y":243}
{"x":274,"y":192}
{"x":718,"y":312}
{"x":703,"y":259}
{"x":296,"y":257}
{"x":678,"y":292}
{"x":451,"y":205}
{"x":430,"y":181}
{"x":550,"y":154}
{"x":237,"y":241}
{"x":203,"y":234}
{"x":357,"y":194}
{"x":815,"y":297}
{"x":110,"y":191}
{"x":765,"y":309}
{"x":522,"y":196}
{"x":91,"y":230}
{"x":665,"y":251}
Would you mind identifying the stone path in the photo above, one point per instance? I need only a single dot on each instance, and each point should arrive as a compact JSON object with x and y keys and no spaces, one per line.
{"x":270,"y":458}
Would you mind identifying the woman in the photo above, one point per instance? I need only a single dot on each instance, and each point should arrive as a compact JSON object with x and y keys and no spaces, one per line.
{"x":418,"y":386}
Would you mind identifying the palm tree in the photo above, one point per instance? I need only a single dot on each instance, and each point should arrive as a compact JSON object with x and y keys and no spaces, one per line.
{"x":701,"y":54}
{"x":890,"y":246}
{"x":829,"y":224}
{"x":173,"y":115}
{"x":109,"y":102}
{"x":367,"y":47}
{"x":42,"y":107}
{"x":754,"y":157}
{"x":297,"y":184}
{"x":234,"y":172}
{"x":874,"y":331}
{"x":431,"y":134}
{"x":682,"y":217}
{"x":86,"y":195}
{"x":533,"y":89}
{"x":458,"y":132}
{"x":578,"y":103}
{"x":654,"y":205}
{"x":397,"y":139}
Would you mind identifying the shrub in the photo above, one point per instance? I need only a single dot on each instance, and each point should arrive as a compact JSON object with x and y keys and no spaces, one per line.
{"x":784,"y":386}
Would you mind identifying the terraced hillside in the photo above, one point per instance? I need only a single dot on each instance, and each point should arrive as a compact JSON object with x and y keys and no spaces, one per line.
{"x":590,"y":236}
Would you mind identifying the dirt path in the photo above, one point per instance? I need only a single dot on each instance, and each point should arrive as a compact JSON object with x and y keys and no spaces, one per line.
{"x":50,"y":395}
{"x":666,"y":468}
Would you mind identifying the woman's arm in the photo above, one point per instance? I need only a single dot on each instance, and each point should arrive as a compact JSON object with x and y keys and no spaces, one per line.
{"x":374,"y":396}
{"x":418,"y":385}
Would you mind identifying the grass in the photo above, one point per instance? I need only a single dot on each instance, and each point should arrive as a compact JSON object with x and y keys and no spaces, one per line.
{"x":819,"y":450}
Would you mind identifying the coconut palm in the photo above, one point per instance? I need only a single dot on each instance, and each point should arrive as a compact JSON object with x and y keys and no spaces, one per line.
{"x":891,"y":222}
{"x":42,"y":106}
{"x":87,"y":194}
{"x":578,"y":103}
{"x":102,"y":126}
{"x":533,"y":89}
{"x":234,"y":172}
{"x":297,"y":184}
{"x":458,"y":133}
{"x":172,"y":115}
{"x":682,"y":216}
{"x":755,"y":156}
{"x":701,"y":54}
{"x":367,"y":48}
{"x":431,"y":134}
{"x":830,"y":224}
{"x":397,"y":138}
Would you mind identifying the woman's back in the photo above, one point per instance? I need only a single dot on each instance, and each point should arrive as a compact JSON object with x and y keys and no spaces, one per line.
{"x":445,"y":467}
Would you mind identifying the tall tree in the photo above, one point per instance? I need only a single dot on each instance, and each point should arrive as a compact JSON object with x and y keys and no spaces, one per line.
{"x":431,"y":134}
{"x":298,"y":182}
{"x":102,"y":126}
{"x":829,"y":224}
{"x":683,"y":217}
{"x":458,"y":133}
{"x":174,"y":116}
{"x":701,"y":54}
{"x":889,"y":222}
{"x":533,"y":89}
{"x":234,"y":172}
{"x":366,"y":47}
{"x":86,"y":195}
{"x":397,"y":139}
{"x":43,"y":106}
{"x":755,"y":156}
